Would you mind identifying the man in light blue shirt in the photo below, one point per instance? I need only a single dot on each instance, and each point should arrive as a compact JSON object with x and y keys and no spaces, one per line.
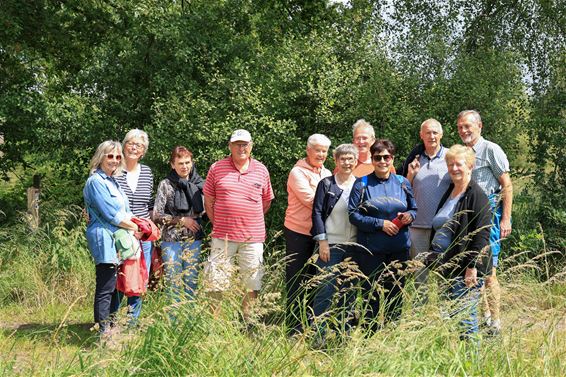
{"x":426,"y":169}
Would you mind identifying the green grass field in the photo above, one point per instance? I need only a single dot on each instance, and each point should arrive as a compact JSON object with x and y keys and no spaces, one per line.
{"x":46,"y":286}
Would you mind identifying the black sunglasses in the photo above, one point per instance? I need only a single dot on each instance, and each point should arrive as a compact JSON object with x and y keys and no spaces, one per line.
{"x":380,"y":157}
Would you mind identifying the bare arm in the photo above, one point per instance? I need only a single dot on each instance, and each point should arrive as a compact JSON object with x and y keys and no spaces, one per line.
{"x":266,"y":204}
{"x":209,"y":207}
{"x":507,"y":200}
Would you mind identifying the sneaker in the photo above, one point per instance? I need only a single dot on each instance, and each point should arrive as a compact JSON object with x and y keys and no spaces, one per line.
{"x":494,"y":328}
{"x":486,"y":322}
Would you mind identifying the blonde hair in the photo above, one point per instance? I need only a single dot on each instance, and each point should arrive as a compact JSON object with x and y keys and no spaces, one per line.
{"x":461,"y":150}
{"x":103,"y":149}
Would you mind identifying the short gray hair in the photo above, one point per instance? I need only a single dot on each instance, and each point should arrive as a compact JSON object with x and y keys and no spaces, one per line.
{"x":318,"y":139}
{"x":474,"y":113}
{"x":103,"y":149}
{"x":432,"y":121}
{"x":343,"y":149}
{"x":135,"y":133}
{"x":362,"y":123}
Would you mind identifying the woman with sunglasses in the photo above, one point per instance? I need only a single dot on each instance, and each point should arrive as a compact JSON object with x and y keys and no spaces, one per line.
{"x":381,"y":206}
{"x":136,"y":181}
{"x":108,"y":210}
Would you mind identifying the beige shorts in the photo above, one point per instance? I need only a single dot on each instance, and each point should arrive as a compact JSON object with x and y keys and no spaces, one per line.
{"x":221,"y":266}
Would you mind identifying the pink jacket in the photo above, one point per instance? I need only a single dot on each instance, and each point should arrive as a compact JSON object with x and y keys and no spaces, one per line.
{"x":301,"y":187}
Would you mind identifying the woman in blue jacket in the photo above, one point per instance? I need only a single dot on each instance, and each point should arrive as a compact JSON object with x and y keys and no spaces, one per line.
{"x":108,"y":210}
{"x":381,"y":206}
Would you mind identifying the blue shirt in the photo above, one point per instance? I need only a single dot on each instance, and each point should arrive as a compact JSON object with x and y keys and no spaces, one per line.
{"x":429,"y":184}
{"x":382,"y":200}
{"x":107,"y":206}
{"x":443,"y":236}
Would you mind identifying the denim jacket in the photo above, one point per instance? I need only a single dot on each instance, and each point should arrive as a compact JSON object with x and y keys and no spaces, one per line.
{"x":107,"y":206}
{"x":327,"y":194}
{"x":382,"y":200}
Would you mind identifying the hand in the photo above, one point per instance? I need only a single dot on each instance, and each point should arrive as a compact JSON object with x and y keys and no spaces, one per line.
{"x":406,"y":217}
{"x":138,"y":235}
{"x":471,"y":277}
{"x":414,"y":166}
{"x":86,"y":216}
{"x":324,"y":251}
{"x":389,"y":228}
{"x":505,"y":227}
{"x":191,"y":224}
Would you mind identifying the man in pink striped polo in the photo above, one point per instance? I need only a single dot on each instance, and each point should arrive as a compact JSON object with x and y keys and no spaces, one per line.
{"x":237,"y":194}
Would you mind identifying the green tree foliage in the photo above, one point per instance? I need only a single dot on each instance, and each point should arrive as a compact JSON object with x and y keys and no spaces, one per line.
{"x":76,"y":72}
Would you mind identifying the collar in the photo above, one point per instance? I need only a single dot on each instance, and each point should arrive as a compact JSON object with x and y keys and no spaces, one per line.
{"x":477,"y":146}
{"x":250,"y":165}
{"x":103,"y":174}
{"x":382,"y":180}
{"x":437,"y":155}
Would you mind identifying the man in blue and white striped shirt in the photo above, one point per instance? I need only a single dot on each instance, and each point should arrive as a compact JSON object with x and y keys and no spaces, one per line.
{"x":491,"y":172}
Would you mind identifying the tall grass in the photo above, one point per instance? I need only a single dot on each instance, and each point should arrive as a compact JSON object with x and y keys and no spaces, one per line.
{"x":50,"y":264}
{"x":52,"y":267}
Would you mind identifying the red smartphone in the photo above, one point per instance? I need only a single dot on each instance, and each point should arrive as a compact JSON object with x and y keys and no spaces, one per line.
{"x":397,"y":221}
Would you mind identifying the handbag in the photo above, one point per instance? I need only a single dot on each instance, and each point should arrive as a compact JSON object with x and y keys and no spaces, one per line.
{"x":132,"y":277}
{"x":127,"y":245}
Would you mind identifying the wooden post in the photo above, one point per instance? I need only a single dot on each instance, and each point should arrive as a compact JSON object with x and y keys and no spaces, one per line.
{"x":33,"y":201}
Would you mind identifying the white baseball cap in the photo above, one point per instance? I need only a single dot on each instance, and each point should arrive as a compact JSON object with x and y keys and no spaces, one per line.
{"x":240,"y":135}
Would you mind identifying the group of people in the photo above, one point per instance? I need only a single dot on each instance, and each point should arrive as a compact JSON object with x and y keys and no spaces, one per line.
{"x":448,"y":207}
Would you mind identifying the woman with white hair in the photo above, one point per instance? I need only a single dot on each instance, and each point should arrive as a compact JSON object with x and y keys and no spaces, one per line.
{"x":301,"y":187}
{"x":332,"y":229}
{"x":136,"y":181}
{"x":108,"y":210}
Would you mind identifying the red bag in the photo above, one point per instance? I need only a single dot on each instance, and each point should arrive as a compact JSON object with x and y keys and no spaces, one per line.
{"x":150,"y":231}
{"x":133,"y":277}
{"x":156,"y":268}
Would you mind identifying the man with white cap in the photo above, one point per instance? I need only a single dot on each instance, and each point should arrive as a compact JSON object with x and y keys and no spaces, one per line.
{"x":237,"y":194}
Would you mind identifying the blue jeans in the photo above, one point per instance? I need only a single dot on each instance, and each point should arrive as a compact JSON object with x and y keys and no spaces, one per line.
{"x":467,"y":300}
{"x":328,"y":288}
{"x":134,"y":302}
{"x":495,"y":230}
{"x":180,"y":262}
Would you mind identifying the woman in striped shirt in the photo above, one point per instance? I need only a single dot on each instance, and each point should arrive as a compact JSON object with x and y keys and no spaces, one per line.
{"x":137,"y":183}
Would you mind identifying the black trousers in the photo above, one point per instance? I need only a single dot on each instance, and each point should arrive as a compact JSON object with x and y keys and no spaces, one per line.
{"x":384,"y":274}
{"x":300,"y":248}
{"x":105,"y":293}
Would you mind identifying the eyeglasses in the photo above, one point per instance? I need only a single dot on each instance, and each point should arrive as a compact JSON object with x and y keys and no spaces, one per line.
{"x":382,"y":157}
{"x":241,"y":145}
{"x":346,"y":160}
{"x":111,"y":156}
{"x":137,"y":145}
